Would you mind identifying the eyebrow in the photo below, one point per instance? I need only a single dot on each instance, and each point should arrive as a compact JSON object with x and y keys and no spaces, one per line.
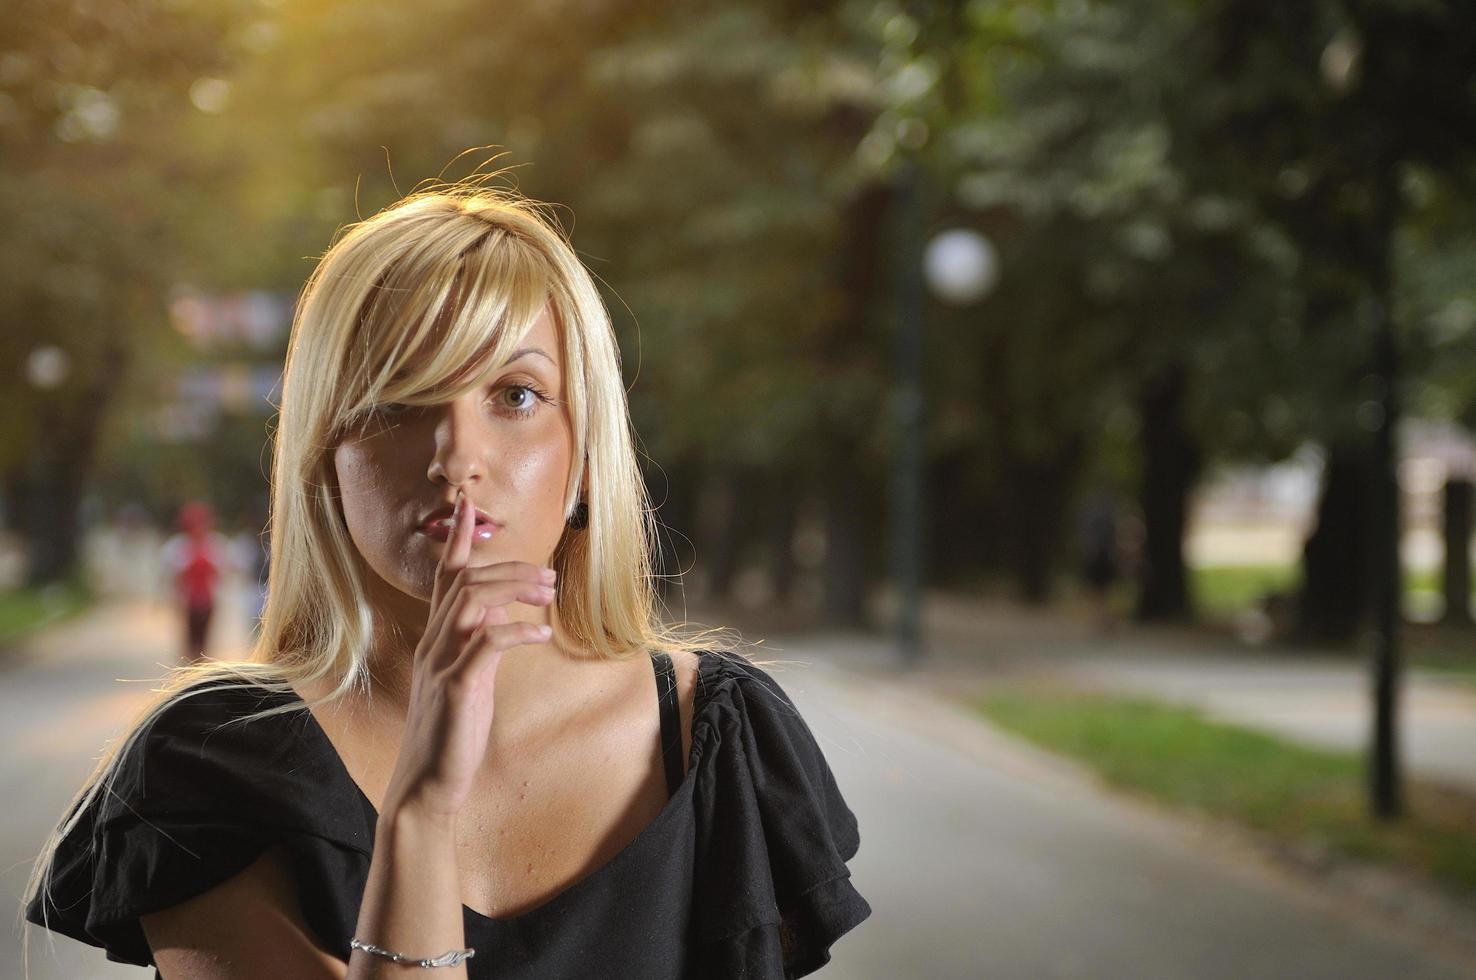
{"x":531,"y":350}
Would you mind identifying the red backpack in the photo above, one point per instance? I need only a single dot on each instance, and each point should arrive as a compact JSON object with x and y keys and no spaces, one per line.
{"x":198,"y":576}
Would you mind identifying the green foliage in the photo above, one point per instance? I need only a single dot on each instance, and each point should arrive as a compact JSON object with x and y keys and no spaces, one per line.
{"x":1170,"y":184}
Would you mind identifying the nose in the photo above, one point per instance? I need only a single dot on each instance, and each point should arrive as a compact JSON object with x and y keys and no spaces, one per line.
{"x":461,"y":444}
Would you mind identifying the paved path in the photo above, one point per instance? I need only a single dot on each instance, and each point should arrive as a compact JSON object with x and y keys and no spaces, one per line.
{"x":75,"y":688}
{"x":980,"y":856}
{"x":985,"y":857}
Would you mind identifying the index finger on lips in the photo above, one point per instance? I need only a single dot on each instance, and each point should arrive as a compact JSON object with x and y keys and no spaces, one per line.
{"x":457,"y":550}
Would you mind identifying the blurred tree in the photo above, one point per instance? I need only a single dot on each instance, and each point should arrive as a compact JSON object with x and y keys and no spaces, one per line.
{"x":1156,"y":173}
{"x":707,"y":153}
{"x":1131,"y":282}
{"x":1341,"y":114}
{"x":1344,"y":97}
{"x":92,"y":99}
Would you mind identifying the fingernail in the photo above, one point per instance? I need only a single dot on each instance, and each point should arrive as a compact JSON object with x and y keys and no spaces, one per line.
{"x":545,"y":631}
{"x":549,"y":574}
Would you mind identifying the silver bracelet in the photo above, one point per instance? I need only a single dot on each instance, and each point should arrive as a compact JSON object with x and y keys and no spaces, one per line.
{"x":453,"y":957}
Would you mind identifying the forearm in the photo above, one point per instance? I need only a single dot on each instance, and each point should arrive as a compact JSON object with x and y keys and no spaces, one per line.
{"x":412,"y":900}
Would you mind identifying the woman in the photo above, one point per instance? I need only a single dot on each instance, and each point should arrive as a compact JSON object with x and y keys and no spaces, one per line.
{"x":464,"y":736}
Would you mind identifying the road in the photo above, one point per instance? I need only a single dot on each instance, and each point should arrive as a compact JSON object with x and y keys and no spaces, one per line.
{"x":981,"y":857}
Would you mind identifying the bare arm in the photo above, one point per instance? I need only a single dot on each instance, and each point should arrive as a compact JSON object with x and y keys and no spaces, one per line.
{"x":412,"y":902}
{"x":250,"y":925}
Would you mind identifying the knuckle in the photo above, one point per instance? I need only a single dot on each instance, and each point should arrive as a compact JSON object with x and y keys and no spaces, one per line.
{"x":504,"y":591}
{"x":469,"y":622}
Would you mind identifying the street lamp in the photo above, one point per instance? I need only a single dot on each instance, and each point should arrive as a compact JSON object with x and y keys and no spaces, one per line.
{"x":47,"y":366}
{"x":961,"y":267}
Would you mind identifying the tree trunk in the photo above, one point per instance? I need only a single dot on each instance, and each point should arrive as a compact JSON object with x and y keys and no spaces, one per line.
{"x":54,"y":491}
{"x":13,"y":487}
{"x":846,"y":558}
{"x":1171,"y":464}
{"x":781,"y":507}
{"x":1335,"y":562}
{"x":61,"y":460}
{"x":718,"y":523}
{"x":1457,"y":572}
{"x":1040,"y":491}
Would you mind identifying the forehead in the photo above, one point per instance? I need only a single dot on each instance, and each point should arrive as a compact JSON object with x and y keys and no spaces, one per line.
{"x":543,"y":334}
{"x":540,"y":337}
{"x":539,"y":349}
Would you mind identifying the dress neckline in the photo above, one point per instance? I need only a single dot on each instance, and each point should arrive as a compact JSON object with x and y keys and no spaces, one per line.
{"x":699,"y":700}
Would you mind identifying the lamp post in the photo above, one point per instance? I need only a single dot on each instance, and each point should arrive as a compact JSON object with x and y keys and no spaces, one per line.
{"x":960,"y":267}
{"x":45,"y":512}
{"x":1341,"y":66}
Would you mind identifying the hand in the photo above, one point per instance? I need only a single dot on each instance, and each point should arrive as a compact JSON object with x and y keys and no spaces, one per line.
{"x":450,"y":714}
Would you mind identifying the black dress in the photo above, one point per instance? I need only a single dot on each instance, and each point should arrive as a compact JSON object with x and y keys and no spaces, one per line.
{"x":743,"y":874}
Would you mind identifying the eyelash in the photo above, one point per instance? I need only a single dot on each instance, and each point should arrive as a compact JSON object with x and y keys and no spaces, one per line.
{"x":538,"y":393}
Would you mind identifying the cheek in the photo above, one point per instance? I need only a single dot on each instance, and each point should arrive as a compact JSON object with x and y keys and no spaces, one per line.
{"x":539,"y":466}
{"x":531,"y":455}
{"x":361,"y":488}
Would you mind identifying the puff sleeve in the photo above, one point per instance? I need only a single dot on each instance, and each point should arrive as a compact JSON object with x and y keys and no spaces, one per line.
{"x":772,"y":890}
{"x":193,"y":803}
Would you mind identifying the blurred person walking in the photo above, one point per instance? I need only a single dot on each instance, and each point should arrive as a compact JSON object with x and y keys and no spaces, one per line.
{"x":195,"y":559}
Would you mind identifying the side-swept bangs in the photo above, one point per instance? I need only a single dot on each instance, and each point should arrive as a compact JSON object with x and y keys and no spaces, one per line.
{"x":441,"y":316}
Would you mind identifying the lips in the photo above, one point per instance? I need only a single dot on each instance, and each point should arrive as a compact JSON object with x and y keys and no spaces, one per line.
{"x":437,"y":524}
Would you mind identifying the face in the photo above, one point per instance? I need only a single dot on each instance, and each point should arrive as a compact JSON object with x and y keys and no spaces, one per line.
{"x":508,"y":443}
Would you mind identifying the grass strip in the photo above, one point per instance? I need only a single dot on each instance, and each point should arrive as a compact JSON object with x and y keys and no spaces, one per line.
{"x":27,"y":609}
{"x":1296,"y":793}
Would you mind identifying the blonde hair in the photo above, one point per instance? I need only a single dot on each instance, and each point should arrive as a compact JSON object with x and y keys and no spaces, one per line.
{"x":398,"y":306}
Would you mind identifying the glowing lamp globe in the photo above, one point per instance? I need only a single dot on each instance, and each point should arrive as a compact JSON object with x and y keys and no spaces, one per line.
{"x":961,"y":266}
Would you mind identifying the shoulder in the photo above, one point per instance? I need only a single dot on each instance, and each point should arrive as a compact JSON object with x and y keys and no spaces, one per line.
{"x":210,"y":743}
{"x":774,"y":830}
{"x":727,"y":682}
{"x":199,"y":790}
{"x":750,"y":731}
